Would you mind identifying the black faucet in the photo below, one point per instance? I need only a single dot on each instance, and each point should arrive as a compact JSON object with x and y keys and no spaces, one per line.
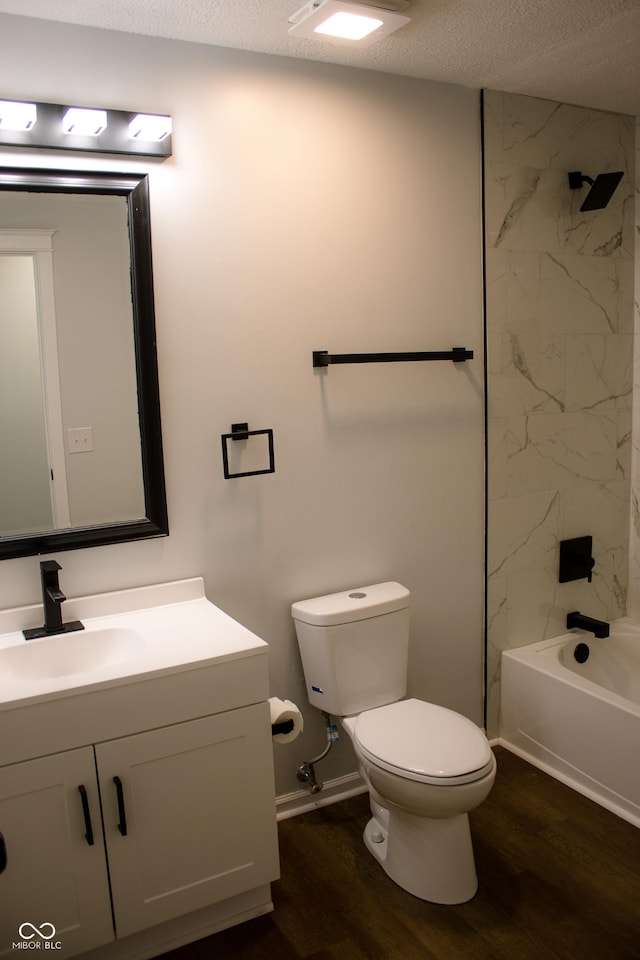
{"x":52,"y":596}
{"x":52,"y":600}
{"x":597,"y":627}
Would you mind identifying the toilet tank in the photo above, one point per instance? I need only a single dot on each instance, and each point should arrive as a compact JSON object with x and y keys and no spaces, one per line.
{"x":354,"y":647}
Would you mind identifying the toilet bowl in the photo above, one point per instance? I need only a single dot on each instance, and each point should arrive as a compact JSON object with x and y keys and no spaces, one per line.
{"x":425,"y":766}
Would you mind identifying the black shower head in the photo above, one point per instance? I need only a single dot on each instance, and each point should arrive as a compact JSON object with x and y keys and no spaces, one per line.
{"x":602,"y":188}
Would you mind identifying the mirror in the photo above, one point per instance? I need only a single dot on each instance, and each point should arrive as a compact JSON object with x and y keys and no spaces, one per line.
{"x":80,"y":430}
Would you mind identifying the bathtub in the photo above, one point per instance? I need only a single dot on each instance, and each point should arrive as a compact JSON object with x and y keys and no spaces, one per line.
{"x":579,"y":721}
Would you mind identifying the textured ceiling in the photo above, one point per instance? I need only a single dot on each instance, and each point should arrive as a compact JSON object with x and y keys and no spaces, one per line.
{"x":579,"y":51}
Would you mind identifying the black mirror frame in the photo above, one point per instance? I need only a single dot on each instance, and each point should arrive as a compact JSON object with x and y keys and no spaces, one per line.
{"x":135,"y":188}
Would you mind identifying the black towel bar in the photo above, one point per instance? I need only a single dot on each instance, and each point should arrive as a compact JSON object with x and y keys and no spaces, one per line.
{"x":322,"y":358}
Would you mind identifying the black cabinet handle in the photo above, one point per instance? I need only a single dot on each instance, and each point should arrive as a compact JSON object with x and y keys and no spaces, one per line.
{"x":3,"y":854}
{"x":122,"y":826}
{"x":86,"y":814}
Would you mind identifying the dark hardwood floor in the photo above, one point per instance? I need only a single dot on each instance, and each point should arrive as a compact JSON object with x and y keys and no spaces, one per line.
{"x":559,"y":880}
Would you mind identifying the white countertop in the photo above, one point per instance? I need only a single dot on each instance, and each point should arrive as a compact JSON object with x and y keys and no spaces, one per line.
{"x":175,"y":629}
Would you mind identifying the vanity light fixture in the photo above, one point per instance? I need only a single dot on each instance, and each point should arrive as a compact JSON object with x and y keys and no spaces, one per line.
{"x":147,"y":126}
{"x":346,"y":22}
{"x":62,"y":127}
{"x":82,"y":122}
{"x":17,"y":116}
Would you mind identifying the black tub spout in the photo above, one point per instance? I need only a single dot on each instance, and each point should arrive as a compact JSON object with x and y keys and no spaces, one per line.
{"x":599,"y":628}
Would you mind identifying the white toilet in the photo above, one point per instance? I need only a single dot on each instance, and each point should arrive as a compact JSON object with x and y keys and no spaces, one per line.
{"x":426,"y":766}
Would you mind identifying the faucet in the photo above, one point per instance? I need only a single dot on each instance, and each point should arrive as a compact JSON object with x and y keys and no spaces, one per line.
{"x":52,"y":596}
{"x":52,"y":600}
{"x":597,"y":627}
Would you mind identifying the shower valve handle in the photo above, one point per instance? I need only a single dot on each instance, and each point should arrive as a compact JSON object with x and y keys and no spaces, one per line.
{"x":576,"y":560}
{"x":584,"y":563}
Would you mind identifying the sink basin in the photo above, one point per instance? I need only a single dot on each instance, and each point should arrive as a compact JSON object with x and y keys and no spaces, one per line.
{"x":148,"y":657}
{"x":66,"y":654}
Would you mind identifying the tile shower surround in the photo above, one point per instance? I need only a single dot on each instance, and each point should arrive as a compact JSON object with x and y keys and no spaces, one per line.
{"x":633,"y":599}
{"x":560,"y":324}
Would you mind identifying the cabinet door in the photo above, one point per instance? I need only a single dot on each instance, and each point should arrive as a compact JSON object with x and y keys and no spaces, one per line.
{"x":189,"y":815}
{"x":52,"y":875}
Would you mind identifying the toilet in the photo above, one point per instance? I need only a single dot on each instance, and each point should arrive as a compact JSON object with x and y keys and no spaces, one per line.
{"x":425,"y":766}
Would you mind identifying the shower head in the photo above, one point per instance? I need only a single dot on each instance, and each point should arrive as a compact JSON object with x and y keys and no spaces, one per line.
{"x":602,"y":188}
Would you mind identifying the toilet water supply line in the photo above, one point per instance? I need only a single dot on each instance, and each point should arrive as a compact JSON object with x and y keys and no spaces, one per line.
{"x":306,"y":772}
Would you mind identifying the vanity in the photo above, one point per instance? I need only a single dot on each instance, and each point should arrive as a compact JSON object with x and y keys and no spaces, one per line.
{"x":137,"y":801}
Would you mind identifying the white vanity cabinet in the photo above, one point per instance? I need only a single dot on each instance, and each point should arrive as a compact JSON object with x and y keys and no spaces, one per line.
{"x":187,"y":817}
{"x":190,"y":820}
{"x":53,"y":874}
{"x":137,"y":800}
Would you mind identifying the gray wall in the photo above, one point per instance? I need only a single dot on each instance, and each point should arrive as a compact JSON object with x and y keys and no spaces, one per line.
{"x":306,"y":207}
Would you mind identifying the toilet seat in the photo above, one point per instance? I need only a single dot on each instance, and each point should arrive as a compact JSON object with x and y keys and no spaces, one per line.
{"x":424,"y":742}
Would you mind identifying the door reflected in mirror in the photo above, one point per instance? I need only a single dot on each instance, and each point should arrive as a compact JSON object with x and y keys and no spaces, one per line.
{"x":79,"y":406}
{"x":26,"y":502}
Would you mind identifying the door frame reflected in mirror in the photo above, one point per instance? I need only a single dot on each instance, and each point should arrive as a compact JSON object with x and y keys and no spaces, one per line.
{"x":135,"y":188}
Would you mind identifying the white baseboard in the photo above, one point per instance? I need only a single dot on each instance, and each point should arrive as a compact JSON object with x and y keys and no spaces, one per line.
{"x":303,"y":801}
{"x":578,"y":781}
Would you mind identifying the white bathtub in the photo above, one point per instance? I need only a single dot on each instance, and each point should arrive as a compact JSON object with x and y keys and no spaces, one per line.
{"x":579,"y":722}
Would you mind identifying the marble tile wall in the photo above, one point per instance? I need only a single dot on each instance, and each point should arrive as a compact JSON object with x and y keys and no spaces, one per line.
{"x":560,"y":324}
{"x":633,"y":601}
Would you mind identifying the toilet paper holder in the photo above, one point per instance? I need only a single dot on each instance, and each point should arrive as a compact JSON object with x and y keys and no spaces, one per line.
{"x":283,"y":726}
{"x":286,"y":720}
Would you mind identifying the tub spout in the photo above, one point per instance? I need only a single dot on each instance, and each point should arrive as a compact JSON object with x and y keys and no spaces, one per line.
{"x":597,"y":627}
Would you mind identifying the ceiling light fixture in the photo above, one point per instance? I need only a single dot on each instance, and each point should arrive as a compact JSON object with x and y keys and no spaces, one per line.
{"x":355,"y":23}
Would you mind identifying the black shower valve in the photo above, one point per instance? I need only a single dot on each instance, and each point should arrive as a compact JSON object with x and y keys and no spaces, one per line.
{"x":576,"y":561}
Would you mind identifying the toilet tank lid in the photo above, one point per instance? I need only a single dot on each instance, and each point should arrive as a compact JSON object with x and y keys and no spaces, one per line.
{"x":361,"y":603}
